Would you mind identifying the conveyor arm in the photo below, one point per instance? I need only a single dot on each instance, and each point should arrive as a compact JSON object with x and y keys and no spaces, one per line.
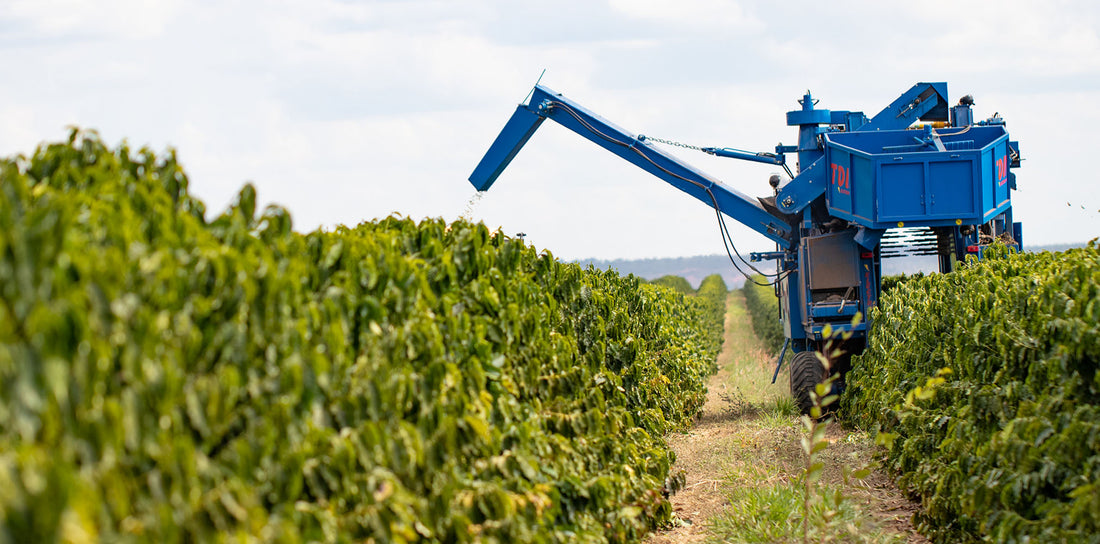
{"x":923,"y":102}
{"x":547,"y":104}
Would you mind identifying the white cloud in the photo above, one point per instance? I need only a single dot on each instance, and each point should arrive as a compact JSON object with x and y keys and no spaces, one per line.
{"x":15,"y":127}
{"x":727,"y":14}
{"x":344,"y":111}
{"x":448,"y":63}
{"x":103,"y":18}
{"x":1010,"y":39}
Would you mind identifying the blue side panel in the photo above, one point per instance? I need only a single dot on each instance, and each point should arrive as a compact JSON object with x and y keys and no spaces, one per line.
{"x":996,"y":182}
{"x":949,"y":194}
{"x":864,"y":201}
{"x":840,"y":181}
{"x":511,"y":139}
{"x":1000,"y":173}
{"x":902,"y":185}
{"x":988,"y":181}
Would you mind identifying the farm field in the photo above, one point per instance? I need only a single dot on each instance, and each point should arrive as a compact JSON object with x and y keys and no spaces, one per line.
{"x":169,"y":378}
{"x":172,"y":376}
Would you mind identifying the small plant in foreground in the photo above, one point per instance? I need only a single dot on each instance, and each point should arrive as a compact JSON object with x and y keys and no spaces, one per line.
{"x":815,"y":426}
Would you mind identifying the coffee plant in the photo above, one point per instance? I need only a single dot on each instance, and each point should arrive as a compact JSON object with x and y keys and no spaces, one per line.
{"x":764,"y":308}
{"x":676,"y":283}
{"x":168,"y":378}
{"x":1006,"y":446}
{"x":711,"y":296}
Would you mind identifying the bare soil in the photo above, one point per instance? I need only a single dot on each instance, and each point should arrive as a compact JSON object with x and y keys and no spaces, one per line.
{"x":740,"y":439}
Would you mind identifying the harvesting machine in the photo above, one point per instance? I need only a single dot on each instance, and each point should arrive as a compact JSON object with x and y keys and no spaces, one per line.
{"x":919,"y":177}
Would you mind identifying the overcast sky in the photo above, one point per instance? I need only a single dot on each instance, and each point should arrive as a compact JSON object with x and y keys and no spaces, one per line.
{"x":345,"y":111}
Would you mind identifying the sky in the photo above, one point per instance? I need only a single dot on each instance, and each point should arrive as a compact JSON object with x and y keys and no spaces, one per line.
{"x":347,"y":111}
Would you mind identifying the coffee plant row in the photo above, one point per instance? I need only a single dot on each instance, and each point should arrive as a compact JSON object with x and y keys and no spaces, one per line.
{"x":676,"y":283}
{"x":167,"y":378}
{"x":711,"y":297}
{"x":764,"y":309}
{"x":1007,"y":448}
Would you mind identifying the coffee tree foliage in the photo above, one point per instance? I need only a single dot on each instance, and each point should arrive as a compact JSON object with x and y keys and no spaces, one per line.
{"x":165,"y":377}
{"x":1007,"y":447}
{"x":763,"y":306}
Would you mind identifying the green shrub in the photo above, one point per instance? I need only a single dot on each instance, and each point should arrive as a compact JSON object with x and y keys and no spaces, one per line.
{"x":1008,"y":448}
{"x":712,"y":295}
{"x":164,"y":378}
{"x":890,"y":282}
{"x":709,"y":300}
{"x":764,"y":309}
{"x":676,"y":283}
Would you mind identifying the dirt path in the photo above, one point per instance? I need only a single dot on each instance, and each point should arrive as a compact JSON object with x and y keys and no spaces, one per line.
{"x":743,"y":459}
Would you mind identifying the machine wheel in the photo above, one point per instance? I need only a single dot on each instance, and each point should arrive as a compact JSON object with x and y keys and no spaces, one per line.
{"x":806,"y":372}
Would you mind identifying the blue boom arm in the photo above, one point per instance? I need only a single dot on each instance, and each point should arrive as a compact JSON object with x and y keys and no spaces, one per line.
{"x":547,"y":104}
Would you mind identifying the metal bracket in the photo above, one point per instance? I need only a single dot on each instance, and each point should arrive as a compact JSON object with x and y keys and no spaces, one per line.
{"x":767,"y":256}
{"x":779,"y":363}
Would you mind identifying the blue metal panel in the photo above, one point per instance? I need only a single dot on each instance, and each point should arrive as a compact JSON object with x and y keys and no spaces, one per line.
{"x":1000,"y":169}
{"x":808,"y":117}
{"x":840,"y":181}
{"x":869,"y":238}
{"x":850,"y":120}
{"x":809,"y":184}
{"x":949,"y":194}
{"x":985,"y":178}
{"x":961,"y":116}
{"x":996,"y":178}
{"x":834,"y":311}
{"x":901,"y":191}
{"x":863,"y":201}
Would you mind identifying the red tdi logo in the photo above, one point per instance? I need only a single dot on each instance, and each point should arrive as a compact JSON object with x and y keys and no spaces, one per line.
{"x":1002,"y":170}
{"x":841,"y":179}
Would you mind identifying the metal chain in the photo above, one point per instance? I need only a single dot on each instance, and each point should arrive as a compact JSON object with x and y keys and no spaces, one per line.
{"x":645,"y":138}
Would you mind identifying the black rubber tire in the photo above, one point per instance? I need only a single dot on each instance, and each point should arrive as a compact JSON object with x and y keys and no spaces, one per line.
{"x":806,"y":373}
